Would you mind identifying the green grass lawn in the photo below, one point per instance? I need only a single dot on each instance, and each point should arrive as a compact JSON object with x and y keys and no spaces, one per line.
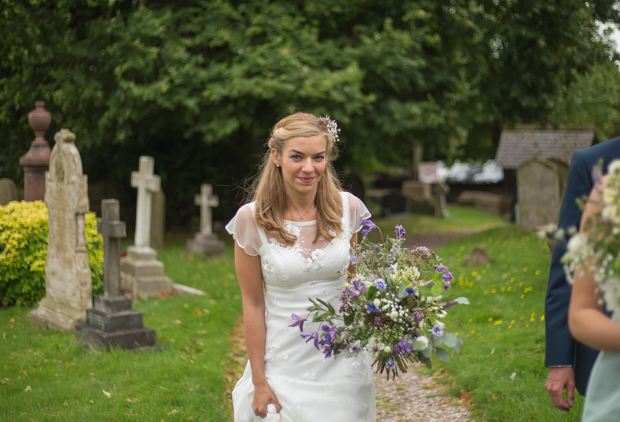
{"x":502,"y":361}
{"x":46,"y":375}
{"x":460,"y":218}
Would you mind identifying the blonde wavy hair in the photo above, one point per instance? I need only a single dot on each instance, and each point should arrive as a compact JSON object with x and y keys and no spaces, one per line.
{"x":268,"y":191}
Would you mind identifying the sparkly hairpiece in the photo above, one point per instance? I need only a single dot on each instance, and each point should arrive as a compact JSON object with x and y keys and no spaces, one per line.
{"x":332,"y":127}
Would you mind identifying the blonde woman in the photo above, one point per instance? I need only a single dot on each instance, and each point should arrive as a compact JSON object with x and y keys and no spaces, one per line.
{"x":590,"y":325}
{"x":291,"y":242}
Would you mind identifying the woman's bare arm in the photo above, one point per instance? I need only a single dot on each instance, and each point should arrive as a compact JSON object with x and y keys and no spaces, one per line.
{"x":586,"y":320}
{"x":251,"y":284}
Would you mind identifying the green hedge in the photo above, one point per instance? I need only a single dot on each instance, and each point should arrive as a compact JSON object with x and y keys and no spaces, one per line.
{"x":23,"y":249}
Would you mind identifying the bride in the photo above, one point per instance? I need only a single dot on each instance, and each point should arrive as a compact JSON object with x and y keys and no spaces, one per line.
{"x":290,"y":244}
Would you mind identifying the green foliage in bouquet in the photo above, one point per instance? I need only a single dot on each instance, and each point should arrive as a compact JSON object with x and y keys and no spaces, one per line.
{"x":391,"y":306}
{"x":23,"y":250}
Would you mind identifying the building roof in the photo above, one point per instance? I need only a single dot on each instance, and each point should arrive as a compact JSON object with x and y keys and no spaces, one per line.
{"x":516,"y":147}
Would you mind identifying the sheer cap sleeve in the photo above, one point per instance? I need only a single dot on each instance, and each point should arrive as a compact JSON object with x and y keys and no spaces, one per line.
{"x":357,"y":212}
{"x":244,"y":230}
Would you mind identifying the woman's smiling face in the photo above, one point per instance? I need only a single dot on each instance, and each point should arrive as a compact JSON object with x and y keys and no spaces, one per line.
{"x":303,"y":162}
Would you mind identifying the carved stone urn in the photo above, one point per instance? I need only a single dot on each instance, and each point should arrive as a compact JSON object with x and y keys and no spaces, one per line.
{"x":36,"y":160}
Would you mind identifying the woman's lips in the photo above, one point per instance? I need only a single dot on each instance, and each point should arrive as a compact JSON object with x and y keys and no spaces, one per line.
{"x":306,"y":179}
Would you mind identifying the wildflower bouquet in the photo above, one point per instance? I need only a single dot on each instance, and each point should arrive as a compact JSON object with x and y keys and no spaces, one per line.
{"x":391,"y":306}
{"x":597,"y":249}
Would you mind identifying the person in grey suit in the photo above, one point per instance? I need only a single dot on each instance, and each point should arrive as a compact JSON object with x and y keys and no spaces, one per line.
{"x":569,"y":361}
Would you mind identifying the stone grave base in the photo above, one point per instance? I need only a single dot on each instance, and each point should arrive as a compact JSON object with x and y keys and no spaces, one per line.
{"x":57,"y":316}
{"x":142,"y":286}
{"x":112,"y":323}
{"x":126,"y":339}
{"x":207,"y":244}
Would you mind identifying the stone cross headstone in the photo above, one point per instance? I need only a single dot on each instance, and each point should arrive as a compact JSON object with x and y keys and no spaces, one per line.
{"x":140,"y":269}
{"x":158,"y":219}
{"x":112,"y":322}
{"x":68,"y":283}
{"x":147,"y":183}
{"x":540,"y":190}
{"x":8,"y":191}
{"x":206,"y":241}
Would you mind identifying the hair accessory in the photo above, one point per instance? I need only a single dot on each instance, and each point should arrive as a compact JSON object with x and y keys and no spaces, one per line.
{"x":332,"y":127}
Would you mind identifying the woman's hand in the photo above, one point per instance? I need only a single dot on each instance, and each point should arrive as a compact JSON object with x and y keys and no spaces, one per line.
{"x":263,"y":396}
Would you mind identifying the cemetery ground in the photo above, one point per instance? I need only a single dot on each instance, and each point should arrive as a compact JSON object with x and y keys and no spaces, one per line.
{"x":46,"y":375}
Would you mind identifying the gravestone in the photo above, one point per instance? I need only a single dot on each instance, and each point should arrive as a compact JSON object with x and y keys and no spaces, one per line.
{"x":540,"y":190}
{"x":140,"y":269}
{"x":158,"y":219}
{"x":112,"y":322}
{"x":8,"y":191}
{"x":427,"y":198}
{"x":68,"y":283}
{"x":205,"y":241}
{"x":478,"y":256}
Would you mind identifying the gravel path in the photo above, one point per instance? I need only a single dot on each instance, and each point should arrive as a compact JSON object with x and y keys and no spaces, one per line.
{"x":416,"y":397}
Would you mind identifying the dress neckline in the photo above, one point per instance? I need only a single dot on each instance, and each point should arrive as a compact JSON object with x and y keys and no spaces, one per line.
{"x":301,"y":223}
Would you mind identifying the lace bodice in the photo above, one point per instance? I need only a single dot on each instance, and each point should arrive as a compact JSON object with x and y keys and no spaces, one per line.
{"x":306,"y":260}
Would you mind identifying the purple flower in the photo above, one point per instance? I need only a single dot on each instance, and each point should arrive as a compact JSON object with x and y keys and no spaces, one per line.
{"x":410,"y":291}
{"x":447,"y":277}
{"x":405,"y":347}
{"x":400,"y":231}
{"x":449,"y":305}
{"x":446,"y":286}
{"x":314,"y":335}
{"x":371,"y":226}
{"x":380,"y":284}
{"x":376,"y":247}
{"x":358,"y":288}
{"x":378,"y":322}
{"x":329,"y":333}
{"x":391,"y":269}
{"x":372,"y":308}
{"x":299,"y":321}
{"x":437,"y":330}
{"x":440,"y":268}
{"x":390,"y":363}
{"x":423,"y":250}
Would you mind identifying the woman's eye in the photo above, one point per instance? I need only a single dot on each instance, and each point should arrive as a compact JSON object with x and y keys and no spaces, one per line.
{"x":319,"y":158}
{"x":295,"y":157}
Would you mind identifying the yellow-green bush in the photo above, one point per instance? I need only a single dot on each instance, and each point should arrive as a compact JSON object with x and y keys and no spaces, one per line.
{"x":23,"y":249}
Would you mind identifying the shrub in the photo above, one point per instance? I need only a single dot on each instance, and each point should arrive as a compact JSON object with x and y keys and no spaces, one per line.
{"x":23,"y":249}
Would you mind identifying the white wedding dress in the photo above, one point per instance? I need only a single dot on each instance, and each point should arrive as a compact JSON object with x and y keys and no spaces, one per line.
{"x":309,"y":387}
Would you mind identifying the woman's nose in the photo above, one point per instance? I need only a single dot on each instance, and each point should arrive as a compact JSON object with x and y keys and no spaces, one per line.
{"x":308,"y":166}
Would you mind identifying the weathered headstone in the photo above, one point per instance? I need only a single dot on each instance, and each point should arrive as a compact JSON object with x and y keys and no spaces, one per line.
{"x":68,"y":283}
{"x":8,"y":191}
{"x":140,"y":268}
{"x":206,"y":241}
{"x":478,"y":256}
{"x":158,"y":219}
{"x":427,"y":198}
{"x":112,"y":322}
{"x":540,"y":190}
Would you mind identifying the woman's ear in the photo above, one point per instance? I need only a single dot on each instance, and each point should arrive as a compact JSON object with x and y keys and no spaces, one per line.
{"x":275,"y":157}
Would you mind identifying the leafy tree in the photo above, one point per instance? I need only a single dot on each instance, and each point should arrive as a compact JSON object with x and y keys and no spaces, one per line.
{"x":197,"y":84}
